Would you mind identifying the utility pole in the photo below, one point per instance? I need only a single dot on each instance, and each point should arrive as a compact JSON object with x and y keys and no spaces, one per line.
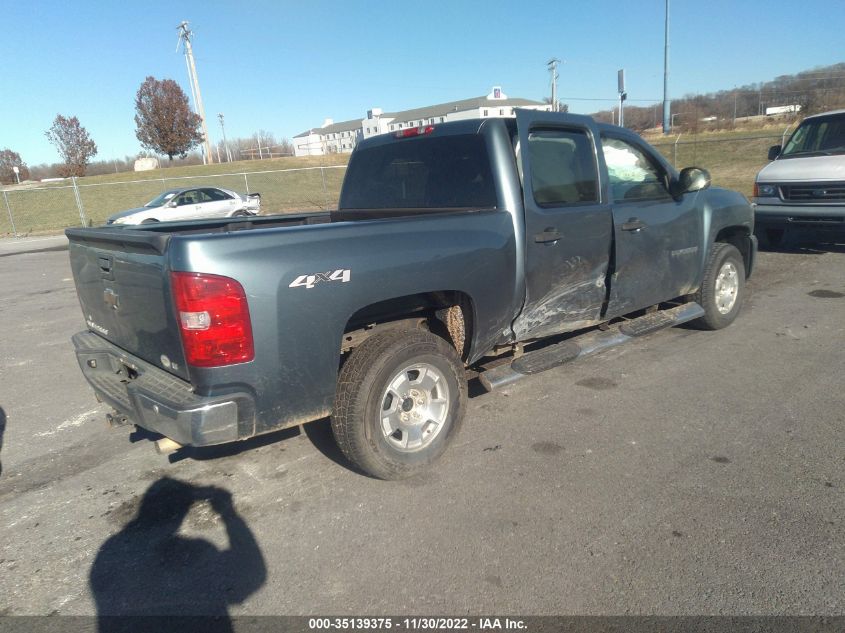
{"x":734,"y":105}
{"x":185,"y":35}
{"x":225,"y":143}
{"x":667,"y":105}
{"x":552,"y":65}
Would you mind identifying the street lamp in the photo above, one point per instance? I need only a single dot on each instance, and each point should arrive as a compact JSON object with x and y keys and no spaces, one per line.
{"x":225,"y":143}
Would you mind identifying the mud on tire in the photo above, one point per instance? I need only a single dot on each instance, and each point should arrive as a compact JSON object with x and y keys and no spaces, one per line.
{"x":400,"y":400}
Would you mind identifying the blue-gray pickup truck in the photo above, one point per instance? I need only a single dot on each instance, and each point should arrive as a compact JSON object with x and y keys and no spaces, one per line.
{"x":508,"y":246}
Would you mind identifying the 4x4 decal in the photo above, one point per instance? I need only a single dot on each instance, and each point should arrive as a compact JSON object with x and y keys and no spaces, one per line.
{"x":309,"y":281}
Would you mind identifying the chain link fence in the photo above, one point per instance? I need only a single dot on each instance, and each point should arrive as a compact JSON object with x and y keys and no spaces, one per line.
{"x":49,"y":207}
{"x":732,"y":162}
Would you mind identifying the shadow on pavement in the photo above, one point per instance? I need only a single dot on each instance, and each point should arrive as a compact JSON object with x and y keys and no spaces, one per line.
{"x":800,"y":240}
{"x":149,"y":569}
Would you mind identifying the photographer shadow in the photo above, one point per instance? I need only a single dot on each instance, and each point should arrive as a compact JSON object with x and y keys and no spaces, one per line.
{"x":148,"y":573}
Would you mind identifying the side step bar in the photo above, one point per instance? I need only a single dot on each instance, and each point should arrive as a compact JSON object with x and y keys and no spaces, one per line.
{"x":586,"y":345}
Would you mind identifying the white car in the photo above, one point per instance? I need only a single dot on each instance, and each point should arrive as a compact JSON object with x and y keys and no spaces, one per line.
{"x":190,"y":204}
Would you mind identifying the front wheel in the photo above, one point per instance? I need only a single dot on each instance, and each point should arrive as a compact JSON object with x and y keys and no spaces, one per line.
{"x":722,"y":289}
{"x":400,"y":399}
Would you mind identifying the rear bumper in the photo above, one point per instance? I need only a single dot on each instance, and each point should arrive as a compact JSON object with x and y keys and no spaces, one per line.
{"x":158,"y":401}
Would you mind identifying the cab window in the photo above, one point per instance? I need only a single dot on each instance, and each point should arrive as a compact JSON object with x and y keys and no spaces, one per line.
{"x":633,"y":174}
{"x":563,"y":167}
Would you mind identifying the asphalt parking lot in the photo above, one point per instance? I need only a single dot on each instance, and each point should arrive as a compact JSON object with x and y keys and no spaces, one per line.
{"x":687,"y":473}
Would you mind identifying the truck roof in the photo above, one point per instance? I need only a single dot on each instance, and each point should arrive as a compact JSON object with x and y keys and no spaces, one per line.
{"x":821,"y":114}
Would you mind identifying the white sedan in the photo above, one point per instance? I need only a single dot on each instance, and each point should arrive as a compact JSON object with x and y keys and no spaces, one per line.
{"x":191,"y":204}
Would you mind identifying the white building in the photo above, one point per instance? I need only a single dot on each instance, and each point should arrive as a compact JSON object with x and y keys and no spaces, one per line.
{"x":342,"y":137}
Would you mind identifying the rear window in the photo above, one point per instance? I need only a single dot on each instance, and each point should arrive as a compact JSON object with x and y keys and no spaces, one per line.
{"x":421,"y":173}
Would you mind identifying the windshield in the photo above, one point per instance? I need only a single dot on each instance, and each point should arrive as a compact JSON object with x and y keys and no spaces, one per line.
{"x":821,"y":136}
{"x":161,"y":199}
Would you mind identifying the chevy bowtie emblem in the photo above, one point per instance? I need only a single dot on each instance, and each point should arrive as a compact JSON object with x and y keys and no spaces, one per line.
{"x":111,"y":298}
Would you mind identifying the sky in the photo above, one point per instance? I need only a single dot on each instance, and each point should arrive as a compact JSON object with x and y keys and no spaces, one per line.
{"x":284,"y":66}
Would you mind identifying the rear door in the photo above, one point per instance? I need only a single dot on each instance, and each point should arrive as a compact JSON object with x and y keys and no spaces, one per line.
{"x":219,"y":203}
{"x":568,"y":227}
{"x":657,"y":236}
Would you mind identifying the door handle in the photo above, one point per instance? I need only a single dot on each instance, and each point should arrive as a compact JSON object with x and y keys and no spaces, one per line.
{"x":549,"y":235}
{"x":633,"y":224}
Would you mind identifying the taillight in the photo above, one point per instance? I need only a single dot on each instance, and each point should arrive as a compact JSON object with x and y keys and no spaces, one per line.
{"x":414,"y":131}
{"x":213,"y":318}
{"x":756,"y":190}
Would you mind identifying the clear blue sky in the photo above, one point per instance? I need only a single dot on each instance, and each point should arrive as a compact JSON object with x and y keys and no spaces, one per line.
{"x":285,"y":66}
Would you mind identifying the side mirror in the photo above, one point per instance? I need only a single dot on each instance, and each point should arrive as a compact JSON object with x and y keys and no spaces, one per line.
{"x":171,"y":204}
{"x":692,"y":179}
{"x":774,"y":152}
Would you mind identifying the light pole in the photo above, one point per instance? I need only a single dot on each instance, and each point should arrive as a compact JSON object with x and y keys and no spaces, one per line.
{"x":620,"y":79}
{"x":185,"y":35}
{"x":667,"y":105}
{"x":225,"y":143}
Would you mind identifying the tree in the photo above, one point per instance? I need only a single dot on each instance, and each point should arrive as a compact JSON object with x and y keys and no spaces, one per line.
{"x":165,"y":123}
{"x":74,"y":144}
{"x":8,"y":160}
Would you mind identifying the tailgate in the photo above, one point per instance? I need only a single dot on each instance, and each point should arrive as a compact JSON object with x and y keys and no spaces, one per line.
{"x":122,"y":283}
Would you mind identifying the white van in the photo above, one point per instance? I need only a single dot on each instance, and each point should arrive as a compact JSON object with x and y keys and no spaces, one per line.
{"x":804,"y":185}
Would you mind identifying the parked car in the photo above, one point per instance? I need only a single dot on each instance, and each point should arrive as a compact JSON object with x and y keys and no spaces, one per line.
{"x":189,"y":204}
{"x":452,"y":243}
{"x":804,"y":185}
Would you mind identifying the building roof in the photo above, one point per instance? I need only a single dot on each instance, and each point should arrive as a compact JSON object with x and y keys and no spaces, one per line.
{"x":443,"y":109}
{"x":427,"y":112}
{"x":343,"y":126}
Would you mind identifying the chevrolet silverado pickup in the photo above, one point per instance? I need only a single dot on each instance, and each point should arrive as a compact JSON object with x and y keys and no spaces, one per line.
{"x":531,"y":241}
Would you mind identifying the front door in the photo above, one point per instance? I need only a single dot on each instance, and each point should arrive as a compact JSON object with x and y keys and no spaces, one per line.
{"x":657,"y":236}
{"x":568,"y":228}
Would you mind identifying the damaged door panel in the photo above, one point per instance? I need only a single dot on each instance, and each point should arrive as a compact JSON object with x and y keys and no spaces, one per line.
{"x":568,"y":228}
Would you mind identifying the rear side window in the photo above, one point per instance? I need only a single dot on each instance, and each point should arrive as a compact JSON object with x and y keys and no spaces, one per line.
{"x":563,"y":167}
{"x":421,"y":173}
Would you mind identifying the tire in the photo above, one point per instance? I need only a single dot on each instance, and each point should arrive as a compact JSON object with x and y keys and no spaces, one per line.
{"x":149,"y":221}
{"x":722,"y":288}
{"x":240,"y":214}
{"x":410,"y":373}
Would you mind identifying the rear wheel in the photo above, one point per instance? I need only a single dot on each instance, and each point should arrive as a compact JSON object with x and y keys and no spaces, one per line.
{"x":722,"y":288}
{"x":400,"y":400}
{"x":149,"y":221}
{"x":240,"y":214}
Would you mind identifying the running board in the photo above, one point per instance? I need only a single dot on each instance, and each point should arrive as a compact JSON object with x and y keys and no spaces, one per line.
{"x":587,"y":345}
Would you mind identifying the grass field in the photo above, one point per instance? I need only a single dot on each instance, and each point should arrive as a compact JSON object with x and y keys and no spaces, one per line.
{"x":285,"y":184}
{"x":733,"y":159}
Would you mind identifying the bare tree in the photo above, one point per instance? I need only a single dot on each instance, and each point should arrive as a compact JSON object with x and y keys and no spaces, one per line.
{"x":164,"y":120}
{"x":74,"y":144}
{"x":9,"y":160}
